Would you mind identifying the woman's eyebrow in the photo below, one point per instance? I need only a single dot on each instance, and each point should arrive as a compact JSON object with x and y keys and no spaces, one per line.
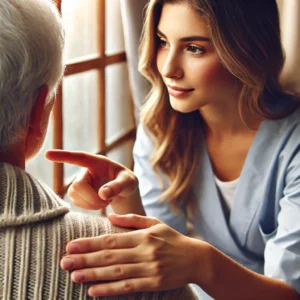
{"x":188,"y":38}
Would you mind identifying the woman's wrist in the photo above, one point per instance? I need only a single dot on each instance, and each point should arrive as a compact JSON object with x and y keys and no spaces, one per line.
{"x":130,"y":205}
{"x":201,"y":262}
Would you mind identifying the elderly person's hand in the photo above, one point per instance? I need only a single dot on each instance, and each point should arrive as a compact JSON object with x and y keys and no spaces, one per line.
{"x":155,"y":257}
{"x":103,"y":181}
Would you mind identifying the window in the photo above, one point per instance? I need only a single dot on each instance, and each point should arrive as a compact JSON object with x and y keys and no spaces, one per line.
{"x":93,"y":110}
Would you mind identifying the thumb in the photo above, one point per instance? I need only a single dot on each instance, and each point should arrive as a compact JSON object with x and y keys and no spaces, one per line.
{"x":133,"y":221}
{"x":124,"y":185}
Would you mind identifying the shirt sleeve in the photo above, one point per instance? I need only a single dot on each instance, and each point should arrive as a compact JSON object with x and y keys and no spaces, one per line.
{"x":282,"y":252}
{"x":150,"y":186}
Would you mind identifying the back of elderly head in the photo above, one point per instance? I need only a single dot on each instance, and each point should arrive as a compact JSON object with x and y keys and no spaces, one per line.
{"x":31,"y":66}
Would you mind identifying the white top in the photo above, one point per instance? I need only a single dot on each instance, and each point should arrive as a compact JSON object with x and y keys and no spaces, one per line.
{"x":227,"y":190}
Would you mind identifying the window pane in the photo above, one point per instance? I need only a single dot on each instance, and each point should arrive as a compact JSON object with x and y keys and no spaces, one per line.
{"x":39,"y":166}
{"x":80,"y":112}
{"x":80,"y":21}
{"x":114,"y":38}
{"x":123,"y":154}
{"x":118,"y":107}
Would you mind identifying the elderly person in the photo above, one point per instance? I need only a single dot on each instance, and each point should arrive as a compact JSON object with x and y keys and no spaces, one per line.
{"x":35,"y":224}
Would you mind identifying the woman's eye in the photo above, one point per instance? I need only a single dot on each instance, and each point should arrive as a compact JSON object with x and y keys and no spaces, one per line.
{"x":195,"y":49}
{"x":162,"y":43}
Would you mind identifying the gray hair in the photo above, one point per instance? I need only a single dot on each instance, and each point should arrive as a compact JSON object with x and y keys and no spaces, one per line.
{"x":31,"y":55}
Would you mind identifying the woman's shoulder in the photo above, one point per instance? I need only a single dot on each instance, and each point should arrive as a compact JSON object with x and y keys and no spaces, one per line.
{"x":288,"y":125}
{"x":280,"y":137}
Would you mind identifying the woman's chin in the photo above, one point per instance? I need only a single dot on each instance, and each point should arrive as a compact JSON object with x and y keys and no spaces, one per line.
{"x":182,"y":107}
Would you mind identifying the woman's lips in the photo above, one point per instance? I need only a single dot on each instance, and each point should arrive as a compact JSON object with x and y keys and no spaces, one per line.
{"x":178,"y":92}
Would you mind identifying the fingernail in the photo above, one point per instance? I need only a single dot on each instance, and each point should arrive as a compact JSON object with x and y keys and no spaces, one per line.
{"x":73,"y":248}
{"x":67,"y":263}
{"x":78,"y":277}
{"x":107,"y":192}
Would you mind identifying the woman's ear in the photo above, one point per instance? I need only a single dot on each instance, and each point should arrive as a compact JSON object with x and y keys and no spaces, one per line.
{"x":37,"y":112}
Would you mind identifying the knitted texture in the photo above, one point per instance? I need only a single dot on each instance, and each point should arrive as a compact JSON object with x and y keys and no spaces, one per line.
{"x":35,"y":226}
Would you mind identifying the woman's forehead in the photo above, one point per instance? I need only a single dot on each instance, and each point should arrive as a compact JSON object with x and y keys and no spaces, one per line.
{"x":181,"y":19}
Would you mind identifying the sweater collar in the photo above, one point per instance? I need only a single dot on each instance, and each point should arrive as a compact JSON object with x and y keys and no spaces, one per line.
{"x":24,"y":200}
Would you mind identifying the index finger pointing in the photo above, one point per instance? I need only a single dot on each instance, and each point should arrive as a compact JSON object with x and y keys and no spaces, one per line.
{"x":78,"y":158}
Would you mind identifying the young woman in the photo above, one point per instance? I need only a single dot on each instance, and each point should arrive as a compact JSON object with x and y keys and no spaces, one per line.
{"x":219,"y":146}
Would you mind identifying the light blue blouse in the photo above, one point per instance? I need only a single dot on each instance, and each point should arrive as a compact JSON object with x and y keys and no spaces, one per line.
{"x":263,"y":229}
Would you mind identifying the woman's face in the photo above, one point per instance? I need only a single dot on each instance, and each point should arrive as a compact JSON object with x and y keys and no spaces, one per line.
{"x":188,"y":62}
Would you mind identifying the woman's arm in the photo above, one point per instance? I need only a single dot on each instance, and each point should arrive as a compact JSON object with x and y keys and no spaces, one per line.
{"x":226,"y":279}
{"x":131,"y":204}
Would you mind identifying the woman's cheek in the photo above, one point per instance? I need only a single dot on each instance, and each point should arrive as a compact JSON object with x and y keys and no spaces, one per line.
{"x":217,"y":75}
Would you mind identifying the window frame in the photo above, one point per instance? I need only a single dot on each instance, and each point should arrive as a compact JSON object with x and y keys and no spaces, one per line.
{"x":92,"y":62}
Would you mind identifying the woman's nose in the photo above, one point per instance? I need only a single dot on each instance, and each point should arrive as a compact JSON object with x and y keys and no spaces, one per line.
{"x":172,"y":67}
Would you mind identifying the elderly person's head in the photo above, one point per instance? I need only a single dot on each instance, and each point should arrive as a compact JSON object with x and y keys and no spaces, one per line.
{"x":31,"y":67}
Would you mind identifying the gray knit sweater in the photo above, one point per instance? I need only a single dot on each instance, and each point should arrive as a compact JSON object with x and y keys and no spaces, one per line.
{"x":35,"y":226}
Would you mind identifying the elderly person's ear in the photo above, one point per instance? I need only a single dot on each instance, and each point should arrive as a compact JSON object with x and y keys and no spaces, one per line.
{"x":38,"y":112}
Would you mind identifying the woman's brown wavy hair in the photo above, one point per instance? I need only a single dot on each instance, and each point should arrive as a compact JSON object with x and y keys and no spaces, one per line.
{"x":246,"y":36}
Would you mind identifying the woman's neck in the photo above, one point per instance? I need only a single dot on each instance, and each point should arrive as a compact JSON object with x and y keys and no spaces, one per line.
{"x":224,"y":121}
